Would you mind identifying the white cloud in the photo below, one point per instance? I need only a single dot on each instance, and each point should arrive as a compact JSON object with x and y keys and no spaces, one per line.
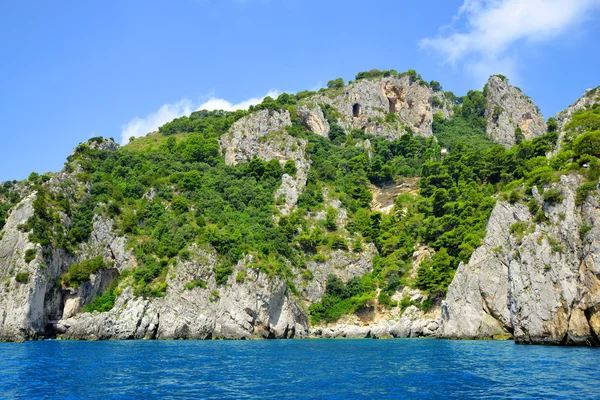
{"x":140,"y":126}
{"x":221,"y":104}
{"x":492,"y":28}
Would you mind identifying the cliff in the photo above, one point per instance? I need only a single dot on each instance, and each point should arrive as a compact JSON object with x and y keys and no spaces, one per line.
{"x":533,"y":280}
{"x":302,"y":217}
{"x":508,"y":110}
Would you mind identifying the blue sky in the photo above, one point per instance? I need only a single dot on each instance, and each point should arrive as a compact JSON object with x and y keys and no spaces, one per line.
{"x":71,"y":70}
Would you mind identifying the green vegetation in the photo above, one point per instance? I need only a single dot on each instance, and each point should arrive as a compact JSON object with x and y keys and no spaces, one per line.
{"x":22,"y":277}
{"x":553,"y":196}
{"x":411,"y":73}
{"x":172,"y":189}
{"x":340,"y":299}
{"x":30,"y":255}
{"x":104,"y":302}
{"x":80,"y":272}
{"x":194,"y":284}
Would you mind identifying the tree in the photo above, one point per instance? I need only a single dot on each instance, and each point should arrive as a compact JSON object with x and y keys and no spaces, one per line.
{"x":335,"y":83}
{"x":290,"y":168}
{"x":180,"y":205}
{"x":331,"y":219}
{"x":552,"y":125}
{"x":519,"y":137}
{"x":335,"y":131}
{"x":435,"y":86}
{"x":587,"y":143}
{"x":171,"y":142}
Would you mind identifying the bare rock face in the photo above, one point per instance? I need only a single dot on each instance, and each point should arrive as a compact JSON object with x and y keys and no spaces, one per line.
{"x":21,"y":301}
{"x":507,"y":109}
{"x":249,"y":307}
{"x":365,"y":104}
{"x":262,"y":134}
{"x":313,"y":119}
{"x":536,"y":281}
{"x":249,"y":138}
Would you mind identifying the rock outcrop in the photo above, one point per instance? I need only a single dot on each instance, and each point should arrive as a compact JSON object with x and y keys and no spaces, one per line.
{"x":251,"y":305}
{"x":535,"y":278}
{"x":508,"y":109}
{"x":262,"y":134}
{"x":365,"y":104}
{"x":536,"y":281}
{"x":589,"y":98}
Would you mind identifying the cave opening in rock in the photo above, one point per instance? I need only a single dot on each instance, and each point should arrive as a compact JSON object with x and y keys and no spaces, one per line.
{"x":392,"y":102}
{"x":356,"y":110}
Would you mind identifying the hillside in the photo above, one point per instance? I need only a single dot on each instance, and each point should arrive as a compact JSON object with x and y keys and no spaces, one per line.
{"x":359,"y":210}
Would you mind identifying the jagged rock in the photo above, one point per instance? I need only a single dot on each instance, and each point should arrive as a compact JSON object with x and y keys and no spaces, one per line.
{"x":21,"y":303}
{"x":401,"y":329}
{"x":258,"y":306}
{"x":381,"y":330}
{"x":106,"y":242}
{"x":538,"y":282}
{"x":589,"y":98}
{"x":132,"y":318}
{"x":262,"y":134}
{"x":508,"y":108}
{"x":364,"y":105}
{"x":248,"y":137}
{"x":313,"y":119}
{"x":103,"y":144}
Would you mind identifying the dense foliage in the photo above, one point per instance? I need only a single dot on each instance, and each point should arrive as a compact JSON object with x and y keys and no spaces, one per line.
{"x":174,"y":190}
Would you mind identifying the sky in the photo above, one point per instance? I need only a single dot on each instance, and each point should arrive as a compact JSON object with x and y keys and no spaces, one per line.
{"x":73,"y":69}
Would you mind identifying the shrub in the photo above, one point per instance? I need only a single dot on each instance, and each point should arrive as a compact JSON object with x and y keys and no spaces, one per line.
{"x":80,"y":272}
{"x":340,"y":299}
{"x":584,"y":191}
{"x":520,"y":229}
{"x":392,"y":117}
{"x":553,"y":196}
{"x":337,"y":242}
{"x":30,"y":255}
{"x":180,"y":205}
{"x":335,"y":84}
{"x":241,"y":275}
{"x":222,"y":272}
{"x":195,"y":283}
{"x":290,"y":168}
{"x":22,"y":277}
{"x":583,"y":231}
{"x":331,"y":218}
{"x":104,"y":302}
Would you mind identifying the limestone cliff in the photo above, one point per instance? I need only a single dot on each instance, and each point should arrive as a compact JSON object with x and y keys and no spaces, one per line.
{"x":589,"y":98}
{"x":508,"y":109}
{"x":382,"y":107}
{"x":263,"y":135}
{"x":534,"y":278}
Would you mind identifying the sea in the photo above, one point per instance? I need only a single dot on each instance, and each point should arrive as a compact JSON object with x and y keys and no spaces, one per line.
{"x":297,"y":369}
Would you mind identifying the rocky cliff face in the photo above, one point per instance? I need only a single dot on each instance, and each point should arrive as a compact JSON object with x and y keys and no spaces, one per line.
{"x":262,"y":134}
{"x":508,"y":109}
{"x":534,"y":280}
{"x":589,"y":98}
{"x":368,"y":104}
{"x":253,"y":306}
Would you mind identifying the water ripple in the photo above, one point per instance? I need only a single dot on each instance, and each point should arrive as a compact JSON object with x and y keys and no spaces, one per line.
{"x":297,"y":369}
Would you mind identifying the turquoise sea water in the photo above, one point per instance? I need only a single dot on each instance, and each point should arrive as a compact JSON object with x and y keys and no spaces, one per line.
{"x":297,"y":369}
